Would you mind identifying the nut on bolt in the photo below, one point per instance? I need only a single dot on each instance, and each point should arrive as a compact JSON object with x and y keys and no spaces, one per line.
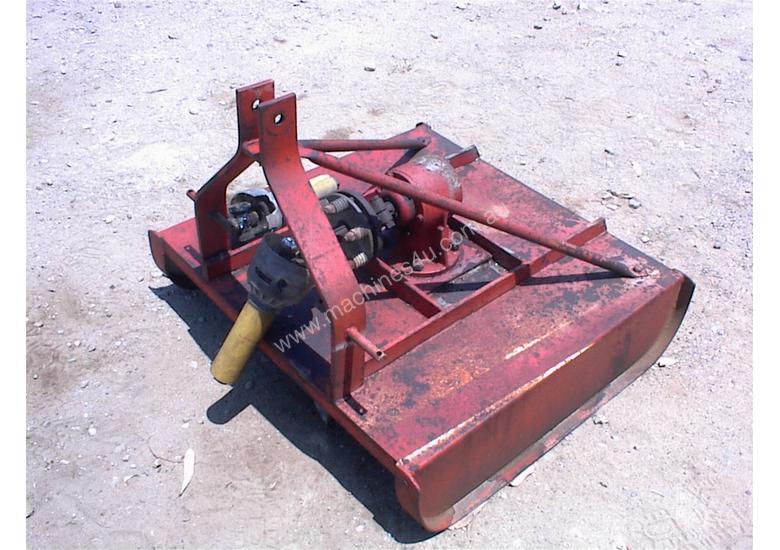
{"x":356,"y":233}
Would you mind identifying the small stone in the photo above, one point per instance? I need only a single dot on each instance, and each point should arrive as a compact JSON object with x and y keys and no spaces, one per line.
{"x":609,"y":150}
{"x":193,"y":109}
{"x":91,"y":347}
{"x":603,"y":484}
{"x":109,"y":219}
{"x":84,"y":384}
{"x":613,"y":206}
{"x":716,"y":245}
{"x":369,"y":68}
{"x":125,"y":458}
{"x":128,"y":478}
{"x":634,"y":203}
{"x":92,"y":430}
{"x":434,"y":36}
{"x":35,"y":377}
{"x":666,"y":361}
{"x":173,"y":37}
{"x":360,"y":528}
{"x":156,"y":464}
{"x":77,"y":343}
{"x":522,"y":476}
{"x":538,"y":27}
{"x":556,"y":5}
{"x":38,"y":324}
{"x":140,"y":278}
{"x":644,"y":239}
{"x":621,"y":53}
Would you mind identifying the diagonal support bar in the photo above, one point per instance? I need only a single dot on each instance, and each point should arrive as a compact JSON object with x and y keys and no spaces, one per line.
{"x":393,"y":184}
{"x":335,"y":145}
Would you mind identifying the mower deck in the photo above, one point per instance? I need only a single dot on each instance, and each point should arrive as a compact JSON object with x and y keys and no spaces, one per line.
{"x":486,"y":367}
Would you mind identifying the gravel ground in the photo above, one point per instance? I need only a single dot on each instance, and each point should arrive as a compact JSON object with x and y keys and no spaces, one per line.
{"x":130,"y":104}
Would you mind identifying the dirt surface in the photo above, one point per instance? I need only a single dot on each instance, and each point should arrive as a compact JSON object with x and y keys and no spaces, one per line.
{"x":130,"y":104}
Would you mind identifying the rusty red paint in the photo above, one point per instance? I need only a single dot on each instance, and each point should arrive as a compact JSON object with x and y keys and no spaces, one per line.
{"x":484,"y":366}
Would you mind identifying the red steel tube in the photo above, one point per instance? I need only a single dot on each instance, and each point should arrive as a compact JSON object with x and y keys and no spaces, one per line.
{"x":333,"y":145}
{"x":363,"y":342}
{"x":455,"y":207}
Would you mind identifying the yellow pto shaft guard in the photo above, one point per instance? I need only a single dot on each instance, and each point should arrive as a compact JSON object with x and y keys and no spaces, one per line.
{"x":249,"y":328}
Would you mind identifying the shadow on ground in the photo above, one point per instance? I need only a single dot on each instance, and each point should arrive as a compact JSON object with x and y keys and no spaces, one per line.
{"x":292,"y":412}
